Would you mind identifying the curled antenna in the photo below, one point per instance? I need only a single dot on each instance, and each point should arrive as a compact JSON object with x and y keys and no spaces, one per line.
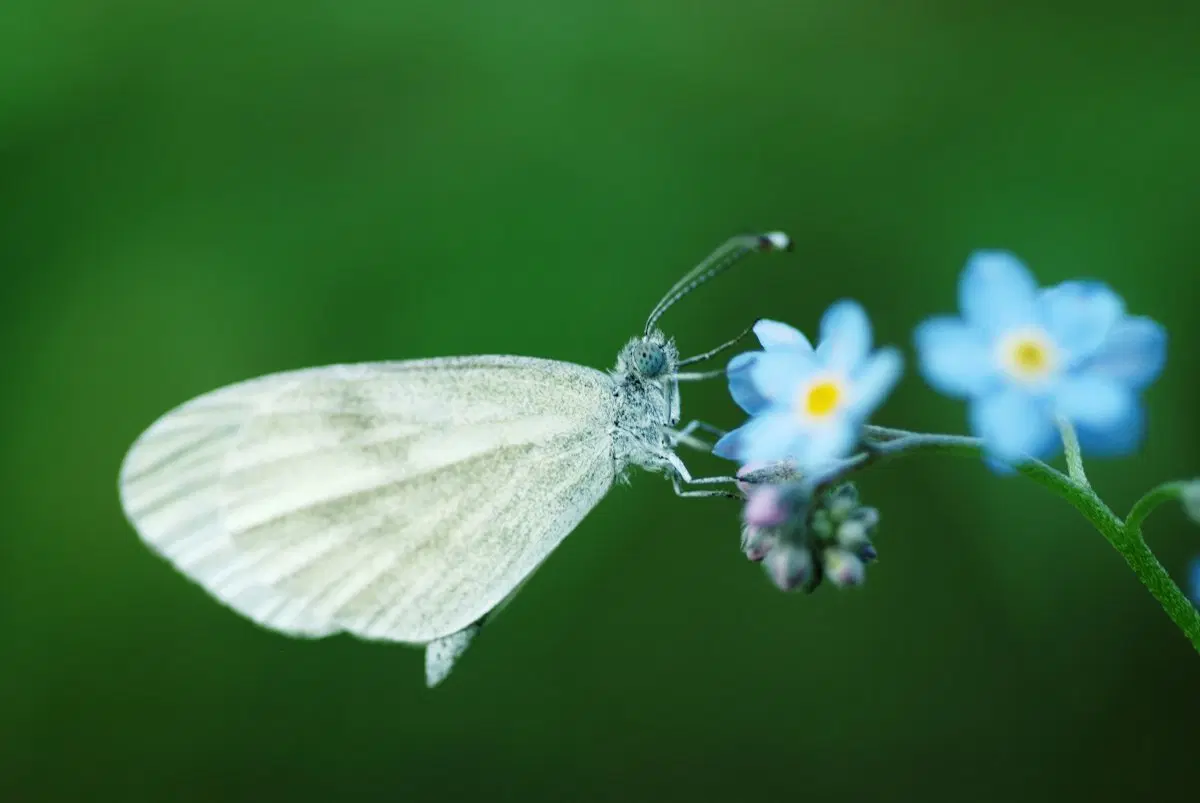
{"x":719,"y":261}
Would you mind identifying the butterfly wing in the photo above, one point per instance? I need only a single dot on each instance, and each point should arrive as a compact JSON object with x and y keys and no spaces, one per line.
{"x":170,"y":486}
{"x":397,"y":501}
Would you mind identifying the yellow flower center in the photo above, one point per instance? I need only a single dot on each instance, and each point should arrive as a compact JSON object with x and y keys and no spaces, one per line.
{"x":1029,"y":355}
{"x":818,"y":399}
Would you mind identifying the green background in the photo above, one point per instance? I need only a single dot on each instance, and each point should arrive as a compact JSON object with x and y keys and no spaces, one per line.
{"x":196,"y":193}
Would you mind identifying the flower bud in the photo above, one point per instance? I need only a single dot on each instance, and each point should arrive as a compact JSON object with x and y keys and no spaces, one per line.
{"x":802,"y":535}
{"x":841,"y":501}
{"x":1190,"y":498}
{"x":789,"y":566}
{"x":852,"y":535}
{"x":842,"y":568}
{"x":869,"y":517}
{"x":820,"y":524}
{"x":758,"y":541}
{"x":766,"y":507}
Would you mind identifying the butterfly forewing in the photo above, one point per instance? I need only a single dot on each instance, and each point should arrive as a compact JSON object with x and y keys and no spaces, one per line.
{"x":170,"y":486}
{"x":399,"y":501}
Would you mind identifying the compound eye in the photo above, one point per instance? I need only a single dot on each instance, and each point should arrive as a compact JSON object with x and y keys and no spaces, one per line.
{"x":649,"y":360}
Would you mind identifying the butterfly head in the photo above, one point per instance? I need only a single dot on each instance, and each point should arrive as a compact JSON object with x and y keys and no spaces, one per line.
{"x":649,"y":357}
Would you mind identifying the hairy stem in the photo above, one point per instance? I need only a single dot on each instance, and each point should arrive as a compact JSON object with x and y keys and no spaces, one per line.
{"x":1167,"y":492}
{"x":1155,"y":578}
{"x":884,"y":443}
{"x":1072,"y":452}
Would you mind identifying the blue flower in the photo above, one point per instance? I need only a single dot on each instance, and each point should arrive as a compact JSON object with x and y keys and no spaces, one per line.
{"x":808,"y":405}
{"x":774,"y":336}
{"x":1023,"y":356}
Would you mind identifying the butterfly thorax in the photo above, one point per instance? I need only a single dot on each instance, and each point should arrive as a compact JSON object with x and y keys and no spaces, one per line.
{"x":647,"y":399}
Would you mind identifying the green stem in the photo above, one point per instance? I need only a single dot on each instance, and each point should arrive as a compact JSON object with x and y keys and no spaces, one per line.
{"x":1125,"y":536}
{"x":1154,"y":577}
{"x":1167,"y":492}
{"x":1072,"y":452}
{"x":886,"y":443}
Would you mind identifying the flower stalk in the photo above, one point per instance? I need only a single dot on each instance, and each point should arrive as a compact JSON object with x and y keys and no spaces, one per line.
{"x":883,"y":444}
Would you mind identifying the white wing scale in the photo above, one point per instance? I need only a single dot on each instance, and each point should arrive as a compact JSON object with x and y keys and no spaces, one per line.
{"x":397,"y":501}
{"x":170,"y":486}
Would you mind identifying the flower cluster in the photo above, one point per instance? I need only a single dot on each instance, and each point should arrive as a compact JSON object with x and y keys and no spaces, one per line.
{"x":803,"y":538}
{"x":1034,"y":365}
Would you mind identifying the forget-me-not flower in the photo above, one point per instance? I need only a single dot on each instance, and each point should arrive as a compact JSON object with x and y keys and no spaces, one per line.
{"x":808,"y":405}
{"x":1023,"y":356}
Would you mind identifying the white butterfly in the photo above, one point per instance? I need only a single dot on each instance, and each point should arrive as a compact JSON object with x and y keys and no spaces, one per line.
{"x":405,"y":501}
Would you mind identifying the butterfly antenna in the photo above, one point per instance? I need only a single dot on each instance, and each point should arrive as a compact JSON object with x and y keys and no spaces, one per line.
{"x":716,"y":263}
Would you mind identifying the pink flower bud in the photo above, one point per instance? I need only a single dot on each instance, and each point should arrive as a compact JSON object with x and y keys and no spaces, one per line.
{"x":766,"y":507}
{"x":789,"y":566}
{"x":842,"y":568}
{"x":757,"y":542}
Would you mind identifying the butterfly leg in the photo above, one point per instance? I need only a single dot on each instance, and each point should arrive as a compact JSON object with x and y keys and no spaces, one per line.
{"x":703,"y":426}
{"x":684,"y":436}
{"x":699,"y":494}
{"x":681,"y":474}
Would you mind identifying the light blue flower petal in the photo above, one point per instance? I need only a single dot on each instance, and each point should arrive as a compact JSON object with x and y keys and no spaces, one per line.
{"x":1134,"y":352}
{"x":999,"y":466}
{"x":1121,"y":438}
{"x":778,"y":374}
{"x":769,"y":437}
{"x":1079,"y":315}
{"x":741,"y":383}
{"x":1093,"y":401}
{"x":776,"y":335}
{"x":996,"y":292}
{"x":955,"y":358}
{"x":822,"y":445}
{"x":742,"y":362}
{"x":845,"y":336}
{"x":874,"y":381}
{"x":730,"y":444}
{"x":1013,"y":425}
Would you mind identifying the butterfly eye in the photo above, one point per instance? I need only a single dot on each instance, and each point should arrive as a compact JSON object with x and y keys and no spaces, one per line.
{"x":649,"y":360}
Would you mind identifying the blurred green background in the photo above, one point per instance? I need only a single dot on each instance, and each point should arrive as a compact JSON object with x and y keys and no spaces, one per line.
{"x":196,"y":193}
